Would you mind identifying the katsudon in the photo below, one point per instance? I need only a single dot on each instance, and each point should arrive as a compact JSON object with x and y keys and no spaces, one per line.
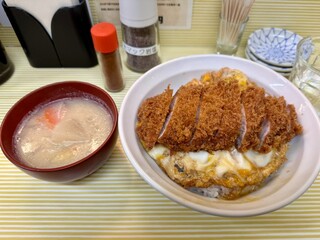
{"x":220,"y":136}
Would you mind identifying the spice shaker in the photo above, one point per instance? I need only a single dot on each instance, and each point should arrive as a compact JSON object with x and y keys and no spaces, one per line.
{"x":140,"y":34}
{"x":105,"y":41}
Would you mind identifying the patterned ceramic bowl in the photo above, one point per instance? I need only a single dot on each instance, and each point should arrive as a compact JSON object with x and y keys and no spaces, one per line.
{"x":274,"y":45}
{"x":278,"y":69}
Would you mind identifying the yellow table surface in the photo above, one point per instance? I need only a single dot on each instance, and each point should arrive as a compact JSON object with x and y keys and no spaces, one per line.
{"x":115,"y":202}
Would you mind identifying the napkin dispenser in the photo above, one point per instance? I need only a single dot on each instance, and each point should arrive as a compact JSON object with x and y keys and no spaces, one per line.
{"x":70,"y":43}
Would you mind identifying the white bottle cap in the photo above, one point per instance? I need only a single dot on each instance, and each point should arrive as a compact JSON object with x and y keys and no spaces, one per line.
{"x":138,"y":13}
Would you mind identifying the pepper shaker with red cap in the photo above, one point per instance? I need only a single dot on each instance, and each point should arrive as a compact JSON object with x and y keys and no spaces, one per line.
{"x":105,"y":41}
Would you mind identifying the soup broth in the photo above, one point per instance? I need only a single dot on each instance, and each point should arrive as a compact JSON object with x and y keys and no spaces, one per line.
{"x":62,"y":132}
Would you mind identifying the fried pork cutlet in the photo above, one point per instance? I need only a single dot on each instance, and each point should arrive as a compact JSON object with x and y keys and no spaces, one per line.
{"x":209,"y":117}
{"x":229,"y":127}
{"x":214,"y":114}
{"x":181,"y":122}
{"x":218,"y":122}
{"x":294,"y":127}
{"x":151,"y":117}
{"x":253,"y":115}
{"x":276,"y":128}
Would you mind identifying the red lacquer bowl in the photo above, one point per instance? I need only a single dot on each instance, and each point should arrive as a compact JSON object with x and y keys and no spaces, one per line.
{"x":46,"y":94}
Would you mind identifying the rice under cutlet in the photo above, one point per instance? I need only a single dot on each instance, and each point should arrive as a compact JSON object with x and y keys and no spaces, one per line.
{"x":209,"y":118}
{"x":229,"y":127}
{"x":252,"y":100}
{"x":181,"y":123}
{"x":278,"y":122}
{"x":151,"y":117}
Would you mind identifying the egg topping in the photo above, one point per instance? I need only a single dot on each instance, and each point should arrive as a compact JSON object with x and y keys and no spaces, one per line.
{"x":220,"y":162}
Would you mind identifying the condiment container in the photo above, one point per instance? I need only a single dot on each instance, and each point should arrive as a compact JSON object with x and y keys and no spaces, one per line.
{"x":105,"y":41}
{"x":53,"y":33}
{"x":6,"y":66}
{"x":140,"y":34}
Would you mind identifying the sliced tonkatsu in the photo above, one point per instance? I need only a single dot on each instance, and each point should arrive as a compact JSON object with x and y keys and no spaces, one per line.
{"x":209,"y":117}
{"x":222,"y":111}
{"x":180,"y":125}
{"x":281,"y":124}
{"x":294,"y":127}
{"x":253,"y":115}
{"x":230,"y":124}
{"x":276,"y":128}
{"x":151,"y":117}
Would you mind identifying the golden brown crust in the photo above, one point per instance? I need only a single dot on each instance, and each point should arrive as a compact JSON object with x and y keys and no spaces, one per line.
{"x":278,"y":119}
{"x":229,"y":127}
{"x":181,"y":125}
{"x":151,"y":117}
{"x":217,"y":113}
{"x":252,"y":100}
{"x":295,"y":127}
{"x":209,"y":118}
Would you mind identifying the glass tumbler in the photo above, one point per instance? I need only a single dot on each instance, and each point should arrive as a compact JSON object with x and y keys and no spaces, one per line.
{"x":229,"y":36}
{"x":306,"y":70}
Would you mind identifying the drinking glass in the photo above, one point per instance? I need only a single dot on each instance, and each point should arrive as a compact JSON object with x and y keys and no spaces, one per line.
{"x":306,"y":70}
{"x":229,"y":36}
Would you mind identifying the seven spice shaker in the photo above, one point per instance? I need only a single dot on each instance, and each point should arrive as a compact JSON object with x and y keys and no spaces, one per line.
{"x":140,"y":34}
{"x":105,"y":41}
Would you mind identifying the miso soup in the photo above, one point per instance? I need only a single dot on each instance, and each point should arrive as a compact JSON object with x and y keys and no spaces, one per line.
{"x":62,"y":132}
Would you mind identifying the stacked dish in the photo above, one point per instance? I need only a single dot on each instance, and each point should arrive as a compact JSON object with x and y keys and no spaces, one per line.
{"x":274,"y":48}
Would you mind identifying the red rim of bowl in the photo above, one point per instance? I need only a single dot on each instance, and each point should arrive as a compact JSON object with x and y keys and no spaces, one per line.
{"x":115,"y":121}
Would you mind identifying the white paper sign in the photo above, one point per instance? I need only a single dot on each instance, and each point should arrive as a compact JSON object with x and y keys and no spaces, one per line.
{"x":173,"y":14}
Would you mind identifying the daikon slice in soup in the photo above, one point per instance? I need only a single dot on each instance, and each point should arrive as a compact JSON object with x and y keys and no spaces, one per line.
{"x":62,"y":132}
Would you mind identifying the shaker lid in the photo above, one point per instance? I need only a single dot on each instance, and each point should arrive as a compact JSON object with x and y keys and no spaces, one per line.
{"x":104,"y":37}
{"x":138,"y":13}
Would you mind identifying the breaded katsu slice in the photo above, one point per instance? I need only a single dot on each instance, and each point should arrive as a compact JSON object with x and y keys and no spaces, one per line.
{"x":209,"y":117}
{"x":230,"y":124}
{"x":180,"y":124}
{"x":151,"y":117}
{"x":218,"y":123}
{"x":253,"y":115}
{"x":275,"y":129}
{"x":294,"y":127}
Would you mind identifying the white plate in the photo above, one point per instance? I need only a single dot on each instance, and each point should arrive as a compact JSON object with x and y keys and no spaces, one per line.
{"x":292,"y":180}
{"x":250,"y":56}
{"x":276,"y":46}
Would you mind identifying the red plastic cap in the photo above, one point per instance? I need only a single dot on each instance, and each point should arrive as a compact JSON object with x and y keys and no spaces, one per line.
{"x":104,"y":36}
